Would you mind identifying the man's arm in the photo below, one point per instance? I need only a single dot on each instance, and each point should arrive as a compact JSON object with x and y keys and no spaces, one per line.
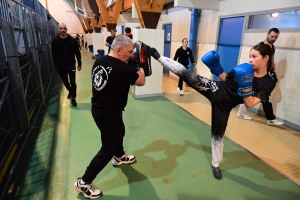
{"x":273,"y":63}
{"x":106,"y":42}
{"x":141,"y":80}
{"x":78,"y":55}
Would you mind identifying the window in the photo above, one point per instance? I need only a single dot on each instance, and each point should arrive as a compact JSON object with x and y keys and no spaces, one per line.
{"x":288,"y":19}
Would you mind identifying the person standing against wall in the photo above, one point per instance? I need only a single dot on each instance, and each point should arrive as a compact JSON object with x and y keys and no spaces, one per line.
{"x":128,"y":32}
{"x":64,"y":50}
{"x":271,"y":38}
{"x":110,"y":39}
{"x":183,"y":54}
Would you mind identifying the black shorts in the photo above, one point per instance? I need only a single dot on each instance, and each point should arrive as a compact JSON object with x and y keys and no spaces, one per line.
{"x":221,"y":101}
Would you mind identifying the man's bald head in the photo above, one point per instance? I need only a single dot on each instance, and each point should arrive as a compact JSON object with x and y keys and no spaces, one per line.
{"x":62,"y":28}
{"x":62,"y":25}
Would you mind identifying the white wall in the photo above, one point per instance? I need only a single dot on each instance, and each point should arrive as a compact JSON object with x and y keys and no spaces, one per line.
{"x":286,"y":95}
{"x":58,"y":9}
{"x":180,"y":19}
{"x":209,"y":22}
{"x":153,"y":86}
{"x":237,"y":6}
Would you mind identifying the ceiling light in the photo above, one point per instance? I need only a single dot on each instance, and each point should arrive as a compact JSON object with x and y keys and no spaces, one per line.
{"x":274,"y":14}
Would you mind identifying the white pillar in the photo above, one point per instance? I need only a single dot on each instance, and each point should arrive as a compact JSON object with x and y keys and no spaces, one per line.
{"x":97,"y":39}
{"x":153,"y":38}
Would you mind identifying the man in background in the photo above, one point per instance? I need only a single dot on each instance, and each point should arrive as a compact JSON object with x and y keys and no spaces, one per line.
{"x":110,"y":39}
{"x":64,"y":50}
{"x":128,"y":32}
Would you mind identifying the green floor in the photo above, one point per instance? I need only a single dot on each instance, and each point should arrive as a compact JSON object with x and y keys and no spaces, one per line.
{"x":172,"y":148}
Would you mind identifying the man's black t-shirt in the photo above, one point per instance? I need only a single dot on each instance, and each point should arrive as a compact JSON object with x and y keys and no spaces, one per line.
{"x":273,"y":48}
{"x":111,"y":80}
{"x":262,"y":87}
{"x":63,"y":51}
{"x":109,"y":40}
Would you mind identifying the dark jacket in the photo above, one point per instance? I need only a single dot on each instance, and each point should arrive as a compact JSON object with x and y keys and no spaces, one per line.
{"x":63,"y":51}
{"x":183,"y":56}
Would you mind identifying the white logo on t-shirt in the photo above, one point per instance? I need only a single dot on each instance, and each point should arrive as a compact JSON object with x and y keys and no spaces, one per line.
{"x":100,"y":77}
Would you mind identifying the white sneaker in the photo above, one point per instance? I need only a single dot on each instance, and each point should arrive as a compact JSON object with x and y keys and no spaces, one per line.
{"x":181,"y":93}
{"x":125,"y":159}
{"x":90,"y":191}
{"x":244,"y":116}
{"x":178,"y":89}
{"x":274,"y":122}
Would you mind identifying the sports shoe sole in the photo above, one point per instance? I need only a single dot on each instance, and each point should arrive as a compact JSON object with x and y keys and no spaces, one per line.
{"x":270,"y":124}
{"x":80,"y":191}
{"x":239,"y":116}
{"x":124,"y":162}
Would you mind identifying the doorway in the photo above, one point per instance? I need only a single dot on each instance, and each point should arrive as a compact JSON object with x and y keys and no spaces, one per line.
{"x":167,"y":43}
{"x":229,"y":42}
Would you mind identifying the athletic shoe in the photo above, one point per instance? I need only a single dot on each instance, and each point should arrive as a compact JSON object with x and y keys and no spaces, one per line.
{"x":181,"y":93}
{"x":69,"y":95}
{"x":73,"y":101}
{"x":90,"y":191}
{"x":217,"y":172}
{"x":125,"y":159}
{"x":274,"y":122}
{"x":244,"y":116}
{"x":178,"y":89}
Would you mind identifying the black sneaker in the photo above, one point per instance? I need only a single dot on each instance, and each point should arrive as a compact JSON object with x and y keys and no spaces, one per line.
{"x":217,"y":172}
{"x":90,"y":191}
{"x":69,"y":95}
{"x":125,"y":159}
{"x":73,"y":101}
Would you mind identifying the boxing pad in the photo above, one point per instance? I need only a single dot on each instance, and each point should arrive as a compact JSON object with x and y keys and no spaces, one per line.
{"x":244,"y":76}
{"x":273,"y":75}
{"x":212,"y":60}
{"x":141,"y":57}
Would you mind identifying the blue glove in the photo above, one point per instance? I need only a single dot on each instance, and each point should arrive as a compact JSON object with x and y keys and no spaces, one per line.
{"x":244,"y":77}
{"x":212,"y":61}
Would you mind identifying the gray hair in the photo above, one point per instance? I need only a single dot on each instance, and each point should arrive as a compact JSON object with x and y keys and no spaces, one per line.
{"x":120,"y":41}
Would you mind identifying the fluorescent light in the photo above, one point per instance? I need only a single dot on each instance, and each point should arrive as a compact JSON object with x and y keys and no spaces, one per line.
{"x":274,"y":14}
